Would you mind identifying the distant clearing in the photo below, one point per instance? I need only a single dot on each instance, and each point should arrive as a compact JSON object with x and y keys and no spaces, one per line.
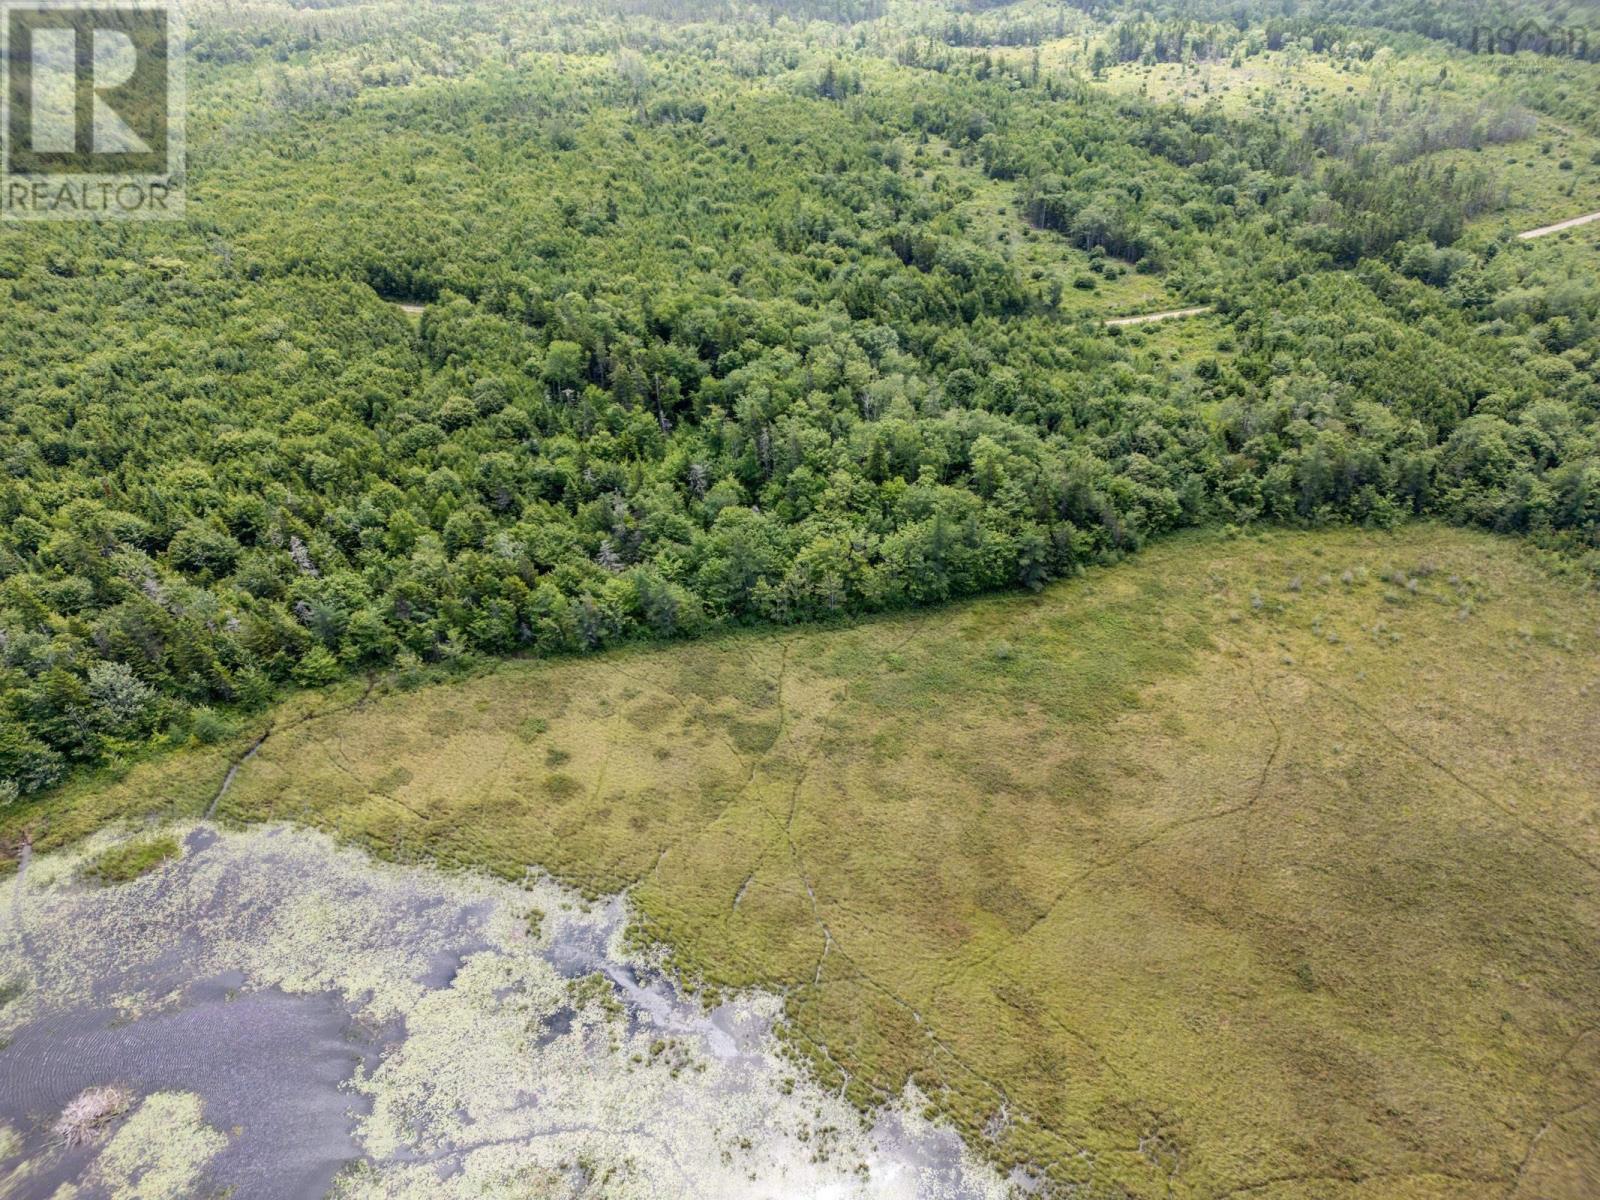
{"x":1267,"y":865}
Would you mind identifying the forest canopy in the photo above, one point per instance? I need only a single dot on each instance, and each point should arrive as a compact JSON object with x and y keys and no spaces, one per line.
{"x":753,"y":313}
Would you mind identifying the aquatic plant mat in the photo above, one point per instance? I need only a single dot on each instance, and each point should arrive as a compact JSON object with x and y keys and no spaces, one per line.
{"x":1266,"y":866}
{"x":273,"y":1014}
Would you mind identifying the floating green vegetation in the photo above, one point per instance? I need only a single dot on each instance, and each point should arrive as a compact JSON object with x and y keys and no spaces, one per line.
{"x":160,"y":1152}
{"x":520,"y":1055}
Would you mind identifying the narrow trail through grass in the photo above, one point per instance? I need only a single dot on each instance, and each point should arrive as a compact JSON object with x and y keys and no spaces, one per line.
{"x":1147,"y":318}
{"x":1573,"y":223}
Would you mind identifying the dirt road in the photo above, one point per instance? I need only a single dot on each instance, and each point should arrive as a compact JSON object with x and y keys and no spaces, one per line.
{"x":1146,"y":318}
{"x":1559,"y":226}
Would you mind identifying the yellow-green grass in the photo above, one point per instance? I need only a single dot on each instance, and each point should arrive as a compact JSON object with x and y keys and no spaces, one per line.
{"x":1267,"y":865}
{"x":991,"y":214}
{"x":1182,"y":341}
{"x":1296,"y":84}
{"x":129,"y":860}
{"x":1552,"y":254}
{"x":1538,"y":190}
{"x":1283,"y":83}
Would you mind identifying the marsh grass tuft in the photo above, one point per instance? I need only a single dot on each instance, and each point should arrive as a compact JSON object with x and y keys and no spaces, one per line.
{"x":126,"y":862}
{"x":90,"y":1112}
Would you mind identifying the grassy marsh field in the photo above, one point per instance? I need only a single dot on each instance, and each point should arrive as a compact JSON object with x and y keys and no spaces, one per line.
{"x":1258,"y":866}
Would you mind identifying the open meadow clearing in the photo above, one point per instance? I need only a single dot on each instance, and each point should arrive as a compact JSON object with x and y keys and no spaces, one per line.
{"x":1263,"y":865}
{"x":1544,"y":170}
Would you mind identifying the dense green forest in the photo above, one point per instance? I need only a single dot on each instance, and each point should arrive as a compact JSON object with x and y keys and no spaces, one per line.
{"x":753,"y":313}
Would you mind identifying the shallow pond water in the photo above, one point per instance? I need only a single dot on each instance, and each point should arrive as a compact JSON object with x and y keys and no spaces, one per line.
{"x":336,"y":1025}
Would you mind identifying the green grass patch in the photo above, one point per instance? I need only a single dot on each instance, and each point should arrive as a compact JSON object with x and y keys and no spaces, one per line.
{"x":131,"y":860}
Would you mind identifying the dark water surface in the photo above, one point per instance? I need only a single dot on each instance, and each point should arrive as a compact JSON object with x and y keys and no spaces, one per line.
{"x":267,"y":1064}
